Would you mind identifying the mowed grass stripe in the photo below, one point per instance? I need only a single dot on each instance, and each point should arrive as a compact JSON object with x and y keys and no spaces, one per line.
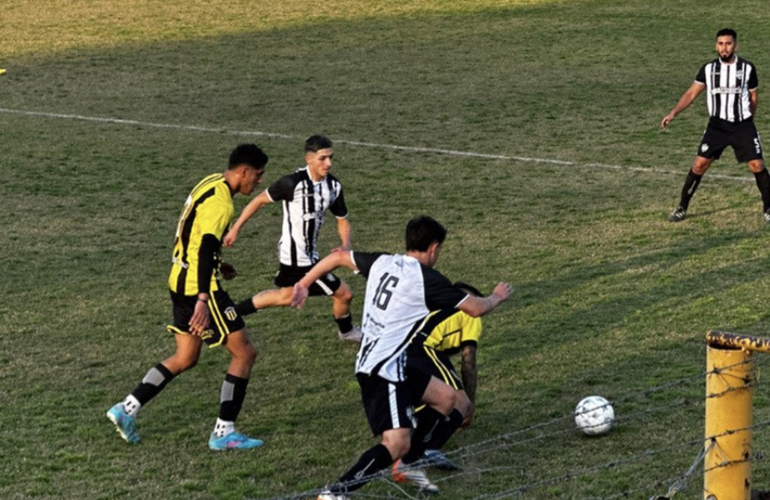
{"x":393,"y":147}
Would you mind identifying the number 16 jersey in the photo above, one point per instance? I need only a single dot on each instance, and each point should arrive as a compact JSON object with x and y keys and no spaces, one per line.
{"x":400,"y":292}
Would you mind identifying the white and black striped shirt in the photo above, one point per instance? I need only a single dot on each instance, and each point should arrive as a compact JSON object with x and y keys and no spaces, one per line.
{"x":304,"y":206}
{"x":727,"y":88}
{"x":400,"y":292}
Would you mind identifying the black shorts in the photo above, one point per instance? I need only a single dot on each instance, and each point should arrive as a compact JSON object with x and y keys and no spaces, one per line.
{"x":288,"y":276}
{"x":388,"y":405}
{"x":742,"y":137}
{"x":224,"y":319}
{"x":428,"y":361}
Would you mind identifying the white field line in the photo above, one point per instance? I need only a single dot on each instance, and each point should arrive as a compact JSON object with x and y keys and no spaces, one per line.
{"x":392,"y":147}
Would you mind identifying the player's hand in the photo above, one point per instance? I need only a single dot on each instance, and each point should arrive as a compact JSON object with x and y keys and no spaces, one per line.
{"x":502,"y":291}
{"x":666,"y":120}
{"x":298,"y":296}
{"x":340,"y":249}
{"x":199,"y":321}
{"x":229,"y":239}
{"x":228,"y":271}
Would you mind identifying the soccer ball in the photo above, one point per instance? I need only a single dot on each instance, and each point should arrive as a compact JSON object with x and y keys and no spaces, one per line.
{"x":594,"y":415}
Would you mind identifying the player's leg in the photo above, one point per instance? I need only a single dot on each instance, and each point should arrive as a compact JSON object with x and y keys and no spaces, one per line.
{"x":123,"y":414}
{"x":233,"y":393}
{"x":762,"y":178}
{"x":341,"y":300}
{"x":748,"y":148}
{"x":275,"y":297}
{"x":698,"y":169}
{"x":387,"y":406}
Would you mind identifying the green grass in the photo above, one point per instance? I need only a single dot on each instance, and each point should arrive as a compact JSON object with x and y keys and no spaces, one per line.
{"x":609,"y":298}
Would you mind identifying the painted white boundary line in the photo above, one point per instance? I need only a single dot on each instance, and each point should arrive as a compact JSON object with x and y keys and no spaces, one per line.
{"x":392,"y":147}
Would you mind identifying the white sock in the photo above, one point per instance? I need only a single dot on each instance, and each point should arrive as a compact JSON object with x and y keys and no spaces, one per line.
{"x":131,"y":405}
{"x":223,"y":428}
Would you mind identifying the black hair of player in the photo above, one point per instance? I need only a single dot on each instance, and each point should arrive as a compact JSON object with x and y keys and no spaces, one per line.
{"x":315,"y":143}
{"x":469,"y":288}
{"x":422,"y":231}
{"x":248,"y":154}
{"x":728,"y":32}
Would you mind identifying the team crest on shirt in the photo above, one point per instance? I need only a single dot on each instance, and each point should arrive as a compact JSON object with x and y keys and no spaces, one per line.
{"x":704,"y":148}
{"x":739,"y":74}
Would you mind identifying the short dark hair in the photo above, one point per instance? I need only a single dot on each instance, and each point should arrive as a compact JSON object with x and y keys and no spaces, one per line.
{"x":422,"y":231}
{"x":248,"y":154}
{"x":315,"y":143}
{"x":728,"y":32}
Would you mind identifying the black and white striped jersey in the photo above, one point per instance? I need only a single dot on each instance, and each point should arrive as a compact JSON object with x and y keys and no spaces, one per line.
{"x":727,"y":88}
{"x":400,"y":292}
{"x":304,"y":207}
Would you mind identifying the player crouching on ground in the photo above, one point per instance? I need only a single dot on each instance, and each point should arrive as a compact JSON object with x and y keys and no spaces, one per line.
{"x":444,"y":334}
{"x":401,"y":290}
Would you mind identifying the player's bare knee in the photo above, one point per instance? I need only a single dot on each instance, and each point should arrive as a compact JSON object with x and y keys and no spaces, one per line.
{"x":343,"y":294}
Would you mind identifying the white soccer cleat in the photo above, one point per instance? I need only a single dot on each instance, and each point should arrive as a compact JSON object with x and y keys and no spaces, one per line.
{"x":328,"y":495}
{"x":353,"y":335}
{"x":402,"y":474}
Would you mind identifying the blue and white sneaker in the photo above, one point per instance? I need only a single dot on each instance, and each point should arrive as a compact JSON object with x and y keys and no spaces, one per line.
{"x":233,"y":441}
{"x":124,"y":423}
{"x":438,"y":460}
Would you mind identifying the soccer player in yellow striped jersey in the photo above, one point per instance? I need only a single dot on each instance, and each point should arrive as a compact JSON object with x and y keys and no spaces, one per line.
{"x":202,"y":311}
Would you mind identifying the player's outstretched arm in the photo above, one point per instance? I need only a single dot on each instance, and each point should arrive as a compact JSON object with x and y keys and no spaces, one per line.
{"x":249,"y":210}
{"x":345,"y":231}
{"x":324,"y":266}
{"x":687,"y":98}
{"x":479,"y":306}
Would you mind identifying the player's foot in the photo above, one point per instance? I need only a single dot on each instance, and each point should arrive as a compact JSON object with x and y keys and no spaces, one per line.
{"x":403,"y":474}
{"x":353,"y":335}
{"x":124,"y":423}
{"x":678,"y":214}
{"x":328,"y":495}
{"x":233,"y":441}
{"x":438,"y":460}
{"x":766,"y":216}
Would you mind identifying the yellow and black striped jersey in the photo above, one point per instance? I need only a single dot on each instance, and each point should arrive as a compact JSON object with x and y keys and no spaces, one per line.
{"x":450,"y":330}
{"x":208,"y":210}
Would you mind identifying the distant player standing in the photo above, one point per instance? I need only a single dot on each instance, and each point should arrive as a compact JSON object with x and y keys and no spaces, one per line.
{"x":306,"y":195}
{"x":400,"y":292}
{"x":202,"y":311}
{"x":731,"y":96}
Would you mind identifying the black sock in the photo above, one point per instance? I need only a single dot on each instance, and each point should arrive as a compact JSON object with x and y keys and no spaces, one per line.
{"x":691,"y":183}
{"x":245,"y":307}
{"x":372,"y":461}
{"x":428,"y":420}
{"x":444,"y":430}
{"x":232,"y":396}
{"x":152,"y":383}
{"x":345,"y":323}
{"x":763,"y":183}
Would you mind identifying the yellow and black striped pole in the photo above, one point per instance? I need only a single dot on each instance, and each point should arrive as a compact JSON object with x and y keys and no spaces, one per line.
{"x":730,"y":369}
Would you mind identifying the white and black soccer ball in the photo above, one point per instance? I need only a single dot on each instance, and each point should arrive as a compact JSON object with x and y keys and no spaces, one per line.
{"x":594,"y":415}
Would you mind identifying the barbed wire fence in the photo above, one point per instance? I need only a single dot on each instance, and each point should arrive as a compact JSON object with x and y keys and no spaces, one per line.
{"x":512,"y":481}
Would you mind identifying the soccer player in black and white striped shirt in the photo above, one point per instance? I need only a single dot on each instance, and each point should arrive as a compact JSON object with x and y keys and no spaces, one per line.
{"x":731,"y":85}
{"x":306,"y":196}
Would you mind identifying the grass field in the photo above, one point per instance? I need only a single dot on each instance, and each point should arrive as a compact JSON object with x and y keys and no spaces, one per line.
{"x":530,"y":128}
